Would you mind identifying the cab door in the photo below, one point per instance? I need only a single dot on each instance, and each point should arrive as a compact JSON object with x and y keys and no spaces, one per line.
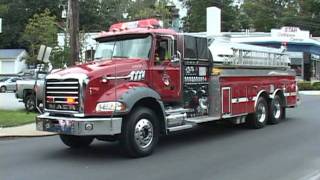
{"x":11,"y":86}
{"x":166,"y":69}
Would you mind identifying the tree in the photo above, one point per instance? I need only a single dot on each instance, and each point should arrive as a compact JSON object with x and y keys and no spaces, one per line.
{"x":306,"y":16}
{"x":15,"y":16}
{"x":41,"y":29}
{"x":142,"y":9}
{"x":90,"y":17}
{"x":195,"y":21}
{"x":266,"y":14}
{"x":98,"y":15}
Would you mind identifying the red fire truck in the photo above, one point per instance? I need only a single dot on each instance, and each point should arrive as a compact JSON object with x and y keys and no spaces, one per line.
{"x":147,"y":81}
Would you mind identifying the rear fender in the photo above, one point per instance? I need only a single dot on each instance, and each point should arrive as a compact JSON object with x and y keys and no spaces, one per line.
{"x":280,"y":93}
{"x":262,"y":93}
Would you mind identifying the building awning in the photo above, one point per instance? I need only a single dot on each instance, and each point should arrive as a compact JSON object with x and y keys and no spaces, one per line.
{"x":293,"y":45}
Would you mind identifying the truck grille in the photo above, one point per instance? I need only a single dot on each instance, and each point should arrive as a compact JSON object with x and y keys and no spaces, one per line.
{"x":63,"y":95}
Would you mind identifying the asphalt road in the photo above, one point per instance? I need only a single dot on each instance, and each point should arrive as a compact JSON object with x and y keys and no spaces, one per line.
{"x":287,"y":151}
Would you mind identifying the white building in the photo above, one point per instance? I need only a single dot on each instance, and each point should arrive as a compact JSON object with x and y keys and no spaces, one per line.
{"x":12,"y":61}
{"x":88,"y":44}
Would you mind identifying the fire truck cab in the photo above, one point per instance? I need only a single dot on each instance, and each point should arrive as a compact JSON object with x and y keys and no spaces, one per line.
{"x":147,"y":81}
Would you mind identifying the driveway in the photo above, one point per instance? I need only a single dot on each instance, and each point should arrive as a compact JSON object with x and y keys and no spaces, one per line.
{"x":8,"y":101}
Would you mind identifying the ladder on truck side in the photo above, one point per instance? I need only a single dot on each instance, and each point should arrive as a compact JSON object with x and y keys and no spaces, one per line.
{"x":236,"y":54}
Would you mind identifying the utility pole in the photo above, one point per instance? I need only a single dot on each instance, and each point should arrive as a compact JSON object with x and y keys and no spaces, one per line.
{"x":73,"y":15}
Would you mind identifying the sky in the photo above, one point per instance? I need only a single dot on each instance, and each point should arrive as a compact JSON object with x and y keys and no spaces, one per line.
{"x":183,"y":11}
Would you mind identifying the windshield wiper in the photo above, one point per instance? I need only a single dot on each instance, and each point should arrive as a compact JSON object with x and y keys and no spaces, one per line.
{"x":120,"y":56}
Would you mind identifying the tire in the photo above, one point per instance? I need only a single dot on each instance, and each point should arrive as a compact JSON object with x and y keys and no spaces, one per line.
{"x":3,"y":89}
{"x":259,"y":118}
{"x":76,"y":141}
{"x":277,"y":111}
{"x":140,"y":133}
{"x":30,"y":103}
{"x":108,"y":138}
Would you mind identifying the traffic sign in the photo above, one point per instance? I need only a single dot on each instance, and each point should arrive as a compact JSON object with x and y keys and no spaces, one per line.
{"x":0,"y":25}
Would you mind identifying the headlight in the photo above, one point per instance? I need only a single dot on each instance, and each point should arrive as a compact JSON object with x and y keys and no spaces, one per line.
{"x":110,"y":107}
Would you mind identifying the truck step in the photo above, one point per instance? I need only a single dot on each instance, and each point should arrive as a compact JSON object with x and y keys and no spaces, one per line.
{"x":202,"y":119}
{"x":177,"y":111}
{"x":179,"y":128}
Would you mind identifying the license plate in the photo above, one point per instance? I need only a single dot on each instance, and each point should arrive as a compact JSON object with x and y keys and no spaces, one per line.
{"x":63,"y":126}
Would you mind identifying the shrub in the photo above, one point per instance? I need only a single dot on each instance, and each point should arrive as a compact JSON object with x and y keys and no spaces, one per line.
{"x":306,"y":85}
{"x":316,"y":86}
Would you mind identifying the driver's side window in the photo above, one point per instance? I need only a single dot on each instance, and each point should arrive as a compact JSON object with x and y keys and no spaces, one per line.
{"x":163,"y":51}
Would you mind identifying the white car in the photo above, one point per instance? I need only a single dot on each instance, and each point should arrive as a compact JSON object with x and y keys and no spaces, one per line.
{"x":8,"y":84}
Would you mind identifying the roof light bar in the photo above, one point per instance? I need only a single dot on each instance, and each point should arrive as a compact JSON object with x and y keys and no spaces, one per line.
{"x":144,"y":23}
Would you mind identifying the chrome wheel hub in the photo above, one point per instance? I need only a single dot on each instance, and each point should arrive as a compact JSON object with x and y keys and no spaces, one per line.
{"x":30,"y":104}
{"x":261,"y":113}
{"x":143,"y":133}
{"x":276,"y":109}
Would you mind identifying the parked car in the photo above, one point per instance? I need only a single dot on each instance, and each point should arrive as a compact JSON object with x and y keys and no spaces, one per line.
{"x":8,"y":84}
{"x":27,"y":92}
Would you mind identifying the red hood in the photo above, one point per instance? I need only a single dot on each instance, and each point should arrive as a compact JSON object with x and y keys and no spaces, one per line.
{"x":105,"y":67}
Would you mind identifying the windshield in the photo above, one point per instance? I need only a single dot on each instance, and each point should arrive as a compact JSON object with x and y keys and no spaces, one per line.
{"x":137,"y":47}
{"x":3,"y":79}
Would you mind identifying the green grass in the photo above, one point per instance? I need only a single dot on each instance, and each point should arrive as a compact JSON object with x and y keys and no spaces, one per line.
{"x":15,"y":118}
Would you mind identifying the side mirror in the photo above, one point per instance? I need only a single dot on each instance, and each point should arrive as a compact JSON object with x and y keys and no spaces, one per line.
{"x":176,"y":58}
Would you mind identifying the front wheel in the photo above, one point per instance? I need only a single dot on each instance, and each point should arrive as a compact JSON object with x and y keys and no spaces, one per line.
{"x":140,"y":133}
{"x":3,"y":89}
{"x":259,"y":118}
{"x":277,"y":111}
{"x":76,"y":141}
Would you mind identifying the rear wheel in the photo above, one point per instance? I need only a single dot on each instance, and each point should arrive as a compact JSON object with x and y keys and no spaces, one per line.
{"x":277,"y":111}
{"x":3,"y":89}
{"x":76,"y":141}
{"x":259,"y":118}
{"x":140,"y":133}
{"x":30,"y":102}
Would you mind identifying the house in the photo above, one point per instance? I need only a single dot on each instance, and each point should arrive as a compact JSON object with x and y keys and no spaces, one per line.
{"x":88,"y":44}
{"x":12,"y":61}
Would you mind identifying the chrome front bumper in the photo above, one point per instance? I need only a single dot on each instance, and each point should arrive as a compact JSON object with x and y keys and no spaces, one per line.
{"x":79,"y":126}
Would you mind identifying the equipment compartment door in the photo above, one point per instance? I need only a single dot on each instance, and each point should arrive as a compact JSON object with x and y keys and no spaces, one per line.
{"x":225,"y":100}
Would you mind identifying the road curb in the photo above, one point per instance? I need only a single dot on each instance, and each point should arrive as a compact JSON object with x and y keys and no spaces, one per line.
{"x":25,"y":136}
